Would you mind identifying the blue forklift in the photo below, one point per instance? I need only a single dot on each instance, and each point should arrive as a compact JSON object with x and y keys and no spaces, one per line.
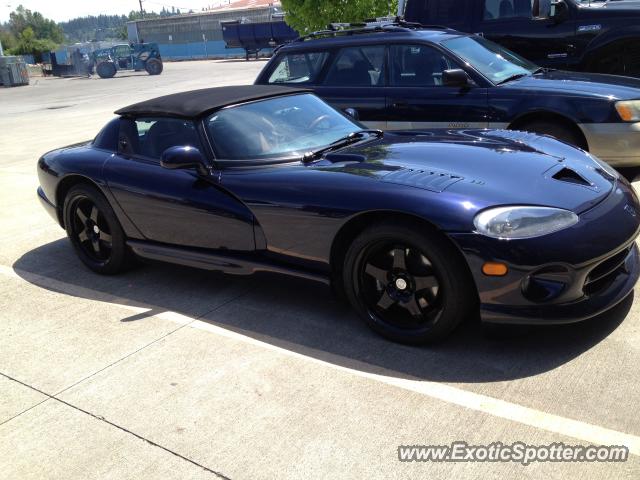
{"x":132,"y":56}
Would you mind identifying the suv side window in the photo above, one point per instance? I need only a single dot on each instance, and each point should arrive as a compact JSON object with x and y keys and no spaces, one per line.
{"x":358,"y":66}
{"x":417,"y":66}
{"x":298,"y":67}
{"x":499,"y":9}
{"x":150,"y":137}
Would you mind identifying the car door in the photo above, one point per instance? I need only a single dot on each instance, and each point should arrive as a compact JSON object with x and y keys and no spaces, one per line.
{"x":526,"y":27}
{"x":416,"y":97}
{"x":356,"y":79}
{"x":177,"y":207}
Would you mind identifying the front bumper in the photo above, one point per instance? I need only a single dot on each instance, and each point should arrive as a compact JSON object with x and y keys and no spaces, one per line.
{"x":621,"y":284}
{"x":564,"y":277}
{"x":616,"y":143}
{"x":48,"y":206}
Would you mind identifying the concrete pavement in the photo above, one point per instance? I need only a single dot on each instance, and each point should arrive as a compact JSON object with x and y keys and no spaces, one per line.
{"x":170,"y":372}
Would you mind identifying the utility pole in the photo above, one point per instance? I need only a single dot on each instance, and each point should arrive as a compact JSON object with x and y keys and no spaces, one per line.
{"x":141,"y":9}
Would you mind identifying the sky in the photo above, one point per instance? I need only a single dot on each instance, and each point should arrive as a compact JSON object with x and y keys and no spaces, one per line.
{"x":62,"y":10}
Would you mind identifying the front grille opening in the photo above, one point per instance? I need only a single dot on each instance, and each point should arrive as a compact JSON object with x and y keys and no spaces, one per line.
{"x":568,"y":175}
{"x":603,"y":275}
{"x":546,"y":284}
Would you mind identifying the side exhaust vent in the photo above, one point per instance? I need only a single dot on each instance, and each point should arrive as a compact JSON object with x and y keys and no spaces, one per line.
{"x":570,"y":176}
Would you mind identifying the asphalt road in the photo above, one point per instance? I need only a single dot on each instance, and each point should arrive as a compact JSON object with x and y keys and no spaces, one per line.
{"x":169,"y":372}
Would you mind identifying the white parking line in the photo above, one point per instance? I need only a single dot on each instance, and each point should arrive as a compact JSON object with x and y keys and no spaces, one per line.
{"x":453,"y":395}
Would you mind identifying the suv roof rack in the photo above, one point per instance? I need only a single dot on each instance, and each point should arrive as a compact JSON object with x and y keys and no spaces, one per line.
{"x":383,"y":24}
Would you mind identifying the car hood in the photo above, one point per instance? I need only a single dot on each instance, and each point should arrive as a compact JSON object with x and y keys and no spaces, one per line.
{"x":612,"y":87}
{"x":487,"y":167}
{"x":630,"y":6}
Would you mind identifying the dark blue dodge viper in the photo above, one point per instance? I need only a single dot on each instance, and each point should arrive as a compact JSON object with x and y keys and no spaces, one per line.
{"x":418,"y":230}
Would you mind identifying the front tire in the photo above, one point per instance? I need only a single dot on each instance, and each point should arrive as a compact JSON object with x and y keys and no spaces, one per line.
{"x":556,"y":130}
{"x":106,"y":69}
{"x":94,"y":231}
{"x":408,"y":284}
{"x":153,"y":66}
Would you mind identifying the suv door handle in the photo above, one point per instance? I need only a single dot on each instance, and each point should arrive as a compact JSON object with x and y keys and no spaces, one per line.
{"x":400,"y":104}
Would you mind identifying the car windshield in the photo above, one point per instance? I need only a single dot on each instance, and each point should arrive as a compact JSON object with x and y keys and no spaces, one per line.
{"x":495,"y":62}
{"x":287,"y":126}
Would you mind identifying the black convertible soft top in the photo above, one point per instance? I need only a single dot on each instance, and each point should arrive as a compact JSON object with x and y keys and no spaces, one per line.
{"x":198,"y":102}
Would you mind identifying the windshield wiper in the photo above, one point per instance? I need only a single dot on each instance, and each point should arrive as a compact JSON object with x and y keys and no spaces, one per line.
{"x":512,"y":77}
{"x":340,"y":143}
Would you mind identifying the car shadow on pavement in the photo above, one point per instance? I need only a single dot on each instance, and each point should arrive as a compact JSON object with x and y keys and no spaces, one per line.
{"x":303,"y":316}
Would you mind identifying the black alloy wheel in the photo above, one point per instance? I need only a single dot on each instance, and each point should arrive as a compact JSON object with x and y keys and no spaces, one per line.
{"x":409,"y":285}
{"x":94,"y":230}
{"x":91,"y":230}
{"x":398,"y":283}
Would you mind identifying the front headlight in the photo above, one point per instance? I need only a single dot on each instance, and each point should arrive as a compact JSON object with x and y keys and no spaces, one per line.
{"x":629,"y":110}
{"x":523,"y":222}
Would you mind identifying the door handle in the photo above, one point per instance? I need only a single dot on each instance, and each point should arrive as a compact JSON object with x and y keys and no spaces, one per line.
{"x":400,"y":105}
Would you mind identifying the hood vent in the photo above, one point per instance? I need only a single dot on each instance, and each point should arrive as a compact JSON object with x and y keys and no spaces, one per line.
{"x":428,"y":179}
{"x":571,"y":176}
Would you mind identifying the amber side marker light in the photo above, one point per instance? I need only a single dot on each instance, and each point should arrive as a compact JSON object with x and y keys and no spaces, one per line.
{"x":625,"y":112}
{"x":494,"y":269}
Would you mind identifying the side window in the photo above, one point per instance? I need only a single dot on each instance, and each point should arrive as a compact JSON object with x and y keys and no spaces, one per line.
{"x":499,"y":9}
{"x":123,"y":51}
{"x":150,"y":137}
{"x":357,"y":66}
{"x":298,"y":67}
{"x":418,"y":66}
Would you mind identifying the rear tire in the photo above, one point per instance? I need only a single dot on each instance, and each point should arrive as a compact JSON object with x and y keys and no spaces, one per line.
{"x":94,"y":231}
{"x":622,"y":58}
{"x":106,"y":69}
{"x":408,"y":284}
{"x":153,"y":66}
{"x":556,"y":130}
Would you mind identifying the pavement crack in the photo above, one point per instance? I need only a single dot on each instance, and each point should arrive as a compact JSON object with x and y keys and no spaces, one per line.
{"x":25,"y":410}
{"x":115,"y":425}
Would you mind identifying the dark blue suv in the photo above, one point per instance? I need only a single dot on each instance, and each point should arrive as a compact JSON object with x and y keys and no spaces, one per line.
{"x":405,"y":76}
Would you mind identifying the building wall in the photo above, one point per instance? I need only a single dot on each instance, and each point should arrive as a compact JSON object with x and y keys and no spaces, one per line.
{"x":195,"y":35}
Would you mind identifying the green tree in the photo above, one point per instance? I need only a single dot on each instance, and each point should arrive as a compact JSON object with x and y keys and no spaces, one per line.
{"x":311,"y":15}
{"x":7,"y":38}
{"x":43,"y":28}
{"x":30,"y":33}
{"x":28,"y":43}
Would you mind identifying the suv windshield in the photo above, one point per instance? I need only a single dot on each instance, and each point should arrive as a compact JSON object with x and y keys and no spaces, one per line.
{"x":288,"y":126}
{"x":495,"y":62}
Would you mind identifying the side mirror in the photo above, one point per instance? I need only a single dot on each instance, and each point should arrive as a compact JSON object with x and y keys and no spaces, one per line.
{"x":352,"y":112}
{"x":174,"y":158}
{"x":456,"y":77}
{"x":558,"y":10}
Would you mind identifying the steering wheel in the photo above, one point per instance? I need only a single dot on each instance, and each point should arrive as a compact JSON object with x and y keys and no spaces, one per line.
{"x":318,"y":120}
